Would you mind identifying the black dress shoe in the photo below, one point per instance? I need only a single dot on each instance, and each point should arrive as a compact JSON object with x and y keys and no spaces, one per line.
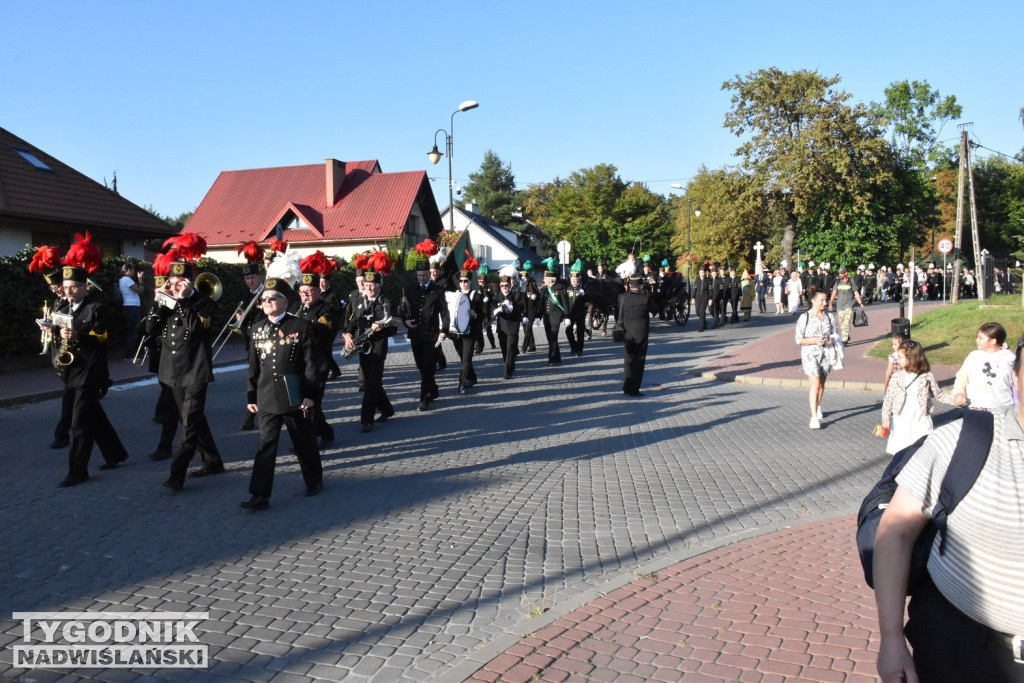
{"x":424,"y":405}
{"x":59,"y":443}
{"x":315,"y":490}
{"x":255,"y":503}
{"x":248,"y":424}
{"x":334,"y":374}
{"x":108,"y":466}
{"x":174,"y":485}
{"x":206,"y":471}
{"x":462,"y":389}
{"x":160,"y":454}
{"x":508,"y":375}
{"x":326,"y":441}
{"x":71,"y":481}
{"x":367,"y":428}
{"x":384,"y":416}
{"x":635,"y":394}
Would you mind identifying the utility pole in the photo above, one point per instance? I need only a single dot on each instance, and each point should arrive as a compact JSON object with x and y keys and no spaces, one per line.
{"x":979,"y":264}
{"x":965,"y":163}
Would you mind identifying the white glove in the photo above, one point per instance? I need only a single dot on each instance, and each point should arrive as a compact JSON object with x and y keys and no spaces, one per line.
{"x":533,"y":297}
{"x":582,"y":293}
{"x":568,"y":324}
{"x":486,"y":299}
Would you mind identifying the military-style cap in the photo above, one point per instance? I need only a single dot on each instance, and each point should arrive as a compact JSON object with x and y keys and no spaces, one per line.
{"x":465,"y":275}
{"x":276,"y":284}
{"x":251,"y":269}
{"x":422,"y":265}
{"x":505,"y":280}
{"x":550,"y":273}
{"x":53,"y":277}
{"x":182,"y":269}
{"x":159,"y":280}
{"x":372,"y":277}
{"x":360,"y":272}
{"x":310,"y":280}
{"x":75,"y":274}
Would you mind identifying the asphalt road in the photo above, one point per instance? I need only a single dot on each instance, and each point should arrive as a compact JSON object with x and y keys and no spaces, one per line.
{"x":440,"y":533}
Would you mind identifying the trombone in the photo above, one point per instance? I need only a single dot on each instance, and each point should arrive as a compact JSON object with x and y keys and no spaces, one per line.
{"x":234,"y":323}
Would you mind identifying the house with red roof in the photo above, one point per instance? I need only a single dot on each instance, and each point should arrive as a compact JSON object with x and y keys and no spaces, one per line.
{"x":45,"y":201}
{"x":342,"y":208}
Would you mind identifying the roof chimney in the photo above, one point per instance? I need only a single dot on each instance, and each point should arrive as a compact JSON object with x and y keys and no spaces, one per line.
{"x":471,"y":205}
{"x":335,"y":177}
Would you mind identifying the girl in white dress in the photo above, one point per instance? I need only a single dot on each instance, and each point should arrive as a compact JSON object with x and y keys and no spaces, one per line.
{"x":906,"y":409}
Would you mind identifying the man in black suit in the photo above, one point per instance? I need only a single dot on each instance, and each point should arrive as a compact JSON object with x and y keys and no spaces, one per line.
{"x":509,"y":307}
{"x":87,"y":378}
{"x":556,"y":305}
{"x":637,"y":321}
{"x":702,"y":294}
{"x":425,"y":314}
{"x":282,"y":385}
{"x":314,"y":310}
{"x":533,"y":308}
{"x":354,"y":297}
{"x":717,"y":296}
{"x":249,"y":316}
{"x":186,"y":368}
{"x":336,"y":306}
{"x":369,"y":310}
{"x":734,"y":293}
{"x":467,"y":341}
{"x":483,"y":297}
{"x":438,"y":281}
{"x":577,"y":298}
{"x":762,"y":283}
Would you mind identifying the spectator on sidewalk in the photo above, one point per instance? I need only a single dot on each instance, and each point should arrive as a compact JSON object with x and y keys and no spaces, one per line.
{"x":794,"y":290}
{"x":131,"y":303}
{"x":962,"y":620}
{"x":778,"y":282}
{"x":894,"y":361}
{"x":815,"y":333}
{"x":843,"y":296}
{"x":906,"y":407}
{"x":985,"y":380}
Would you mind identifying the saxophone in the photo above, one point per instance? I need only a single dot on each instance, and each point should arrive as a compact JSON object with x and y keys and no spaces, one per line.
{"x":64,"y":357}
{"x":363,"y":343}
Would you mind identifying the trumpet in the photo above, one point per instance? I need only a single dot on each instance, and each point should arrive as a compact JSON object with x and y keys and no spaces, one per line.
{"x":64,"y":357}
{"x":45,"y":333}
{"x":234,"y":323}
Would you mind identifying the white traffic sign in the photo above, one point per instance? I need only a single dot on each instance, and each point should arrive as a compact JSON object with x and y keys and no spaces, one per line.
{"x":564,"y":249}
{"x":945,"y":246}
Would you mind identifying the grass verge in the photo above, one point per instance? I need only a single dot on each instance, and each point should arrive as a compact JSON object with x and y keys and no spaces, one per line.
{"x":947,"y":334}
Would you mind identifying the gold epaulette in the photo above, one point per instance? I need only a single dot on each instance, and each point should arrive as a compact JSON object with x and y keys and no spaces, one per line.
{"x":101,"y":337}
{"x":324,"y":321}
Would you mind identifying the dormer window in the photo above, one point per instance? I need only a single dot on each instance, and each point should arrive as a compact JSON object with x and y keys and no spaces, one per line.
{"x":32,"y":159}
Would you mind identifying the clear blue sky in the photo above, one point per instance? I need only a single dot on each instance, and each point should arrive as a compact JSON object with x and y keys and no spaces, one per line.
{"x":169,"y":94}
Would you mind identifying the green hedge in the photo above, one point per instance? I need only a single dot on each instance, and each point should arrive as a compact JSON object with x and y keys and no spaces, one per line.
{"x":22,"y":295}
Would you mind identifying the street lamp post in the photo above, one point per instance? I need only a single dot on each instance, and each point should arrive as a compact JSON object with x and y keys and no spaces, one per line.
{"x":689,"y":212}
{"x":435,"y":155}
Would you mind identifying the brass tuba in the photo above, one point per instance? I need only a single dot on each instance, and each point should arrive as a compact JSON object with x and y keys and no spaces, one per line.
{"x":209,"y":285}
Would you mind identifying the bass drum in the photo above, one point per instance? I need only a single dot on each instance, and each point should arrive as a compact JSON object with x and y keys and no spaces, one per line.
{"x":458,"y":312}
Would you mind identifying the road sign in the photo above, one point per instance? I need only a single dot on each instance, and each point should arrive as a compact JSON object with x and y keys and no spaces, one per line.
{"x":945,"y":246}
{"x":564,"y":249}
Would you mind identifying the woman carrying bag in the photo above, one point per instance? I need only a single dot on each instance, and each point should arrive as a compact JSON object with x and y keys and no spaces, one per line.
{"x":821,"y":351}
{"x":906,"y":407}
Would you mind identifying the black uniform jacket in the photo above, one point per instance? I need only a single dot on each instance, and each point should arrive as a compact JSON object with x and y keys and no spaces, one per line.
{"x":477,"y":306}
{"x":718,"y":288}
{"x":635,"y":315}
{"x":425,"y":306}
{"x":533,"y":307}
{"x":702,"y":289}
{"x":185,"y":358}
{"x":283,"y":365}
{"x":577,"y":297}
{"x":556,"y":303}
{"x":89,"y":345}
{"x":320,"y":317}
{"x":366,"y":312}
{"x":509,"y":321}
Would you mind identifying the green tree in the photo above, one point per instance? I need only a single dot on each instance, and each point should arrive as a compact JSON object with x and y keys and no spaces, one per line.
{"x":493,"y":188}
{"x":811,"y":155}
{"x":915,"y":115}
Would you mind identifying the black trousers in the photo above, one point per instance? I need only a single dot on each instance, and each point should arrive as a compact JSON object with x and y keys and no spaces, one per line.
{"x":464,"y":345}
{"x":528,"y":342}
{"x":323,"y":428}
{"x":634,"y":357}
{"x":485,"y":329}
{"x":303,"y":434}
{"x":702,"y":313}
{"x":509,"y":344}
{"x":167,"y":413}
{"x":374,"y":398}
{"x":735,"y":303}
{"x":551,"y":332}
{"x":575,"y":334}
{"x":425,"y":355}
{"x":950,"y":646}
{"x":332,"y":363}
{"x":89,"y":425}
{"x":62,"y":432}
{"x":718,"y":312}
{"x":195,"y":431}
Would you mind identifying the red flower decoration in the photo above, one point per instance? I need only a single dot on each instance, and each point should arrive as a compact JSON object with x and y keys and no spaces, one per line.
{"x":190,"y":246}
{"x":277,"y":245}
{"x":380,"y":262}
{"x":315,"y":263}
{"x":83,"y":253}
{"x":427,"y":247}
{"x":44,"y":260}
{"x":162,"y":262}
{"x":252,"y":251}
{"x":470,"y":263}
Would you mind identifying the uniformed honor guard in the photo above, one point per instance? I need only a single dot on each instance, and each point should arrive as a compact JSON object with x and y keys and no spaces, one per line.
{"x":508,"y":311}
{"x":166,"y":412}
{"x":46,"y":261}
{"x":82,"y":362}
{"x":249,"y":309}
{"x":702,"y":294}
{"x":368,"y":325}
{"x":577,"y":298}
{"x":734,"y":293}
{"x":556,"y":306}
{"x":637,"y":321}
{"x":425,"y":314}
{"x":533,"y":306}
{"x":319,"y":315}
{"x":336,"y":306}
{"x":352,"y":304}
{"x":283,"y":382}
{"x":465,"y":343}
{"x":186,"y":365}
{"x":438,"y":281}
{"x":483,"y":296}
{"x":718,"y":296}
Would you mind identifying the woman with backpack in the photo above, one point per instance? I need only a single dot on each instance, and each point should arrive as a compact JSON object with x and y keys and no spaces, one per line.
{"x":906,"y":407}
{"x":819,"y":350}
